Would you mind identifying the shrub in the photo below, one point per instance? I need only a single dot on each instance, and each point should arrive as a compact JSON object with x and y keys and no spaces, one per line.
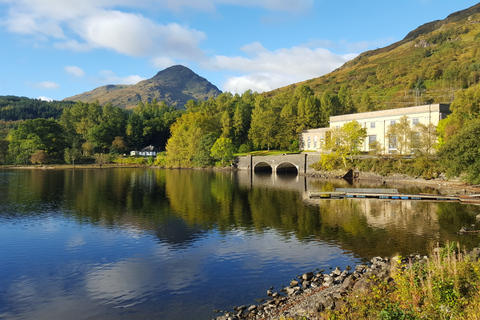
{"x":329,"y":162}
{"x":444,"y":286}
{"x":245,"y":148}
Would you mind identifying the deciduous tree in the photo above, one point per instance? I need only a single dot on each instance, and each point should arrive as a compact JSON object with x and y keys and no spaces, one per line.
{"x":461,"y":152}
{"x":223,"y":150}
{"x":347,"y":140}
{"x":38,"y":134}
{"x":39,"y":157}
{"x":264,"y":126}
{"x":3,"y":150}
{"x":401,"y":131}
{"x":72,"y":154}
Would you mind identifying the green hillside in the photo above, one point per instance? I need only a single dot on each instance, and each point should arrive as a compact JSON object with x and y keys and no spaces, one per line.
{"x":430,"y":65}
{"x":175,"y":86}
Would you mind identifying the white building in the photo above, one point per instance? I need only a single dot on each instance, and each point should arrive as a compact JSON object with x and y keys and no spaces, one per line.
{"x":149,"y":151}
{"x":376,"y":123}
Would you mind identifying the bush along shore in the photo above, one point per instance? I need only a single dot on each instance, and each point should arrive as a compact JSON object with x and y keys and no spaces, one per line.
{"x":442,"y":285}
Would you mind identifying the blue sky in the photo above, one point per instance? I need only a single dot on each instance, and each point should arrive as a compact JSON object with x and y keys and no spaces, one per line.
{"x":58,"y":48}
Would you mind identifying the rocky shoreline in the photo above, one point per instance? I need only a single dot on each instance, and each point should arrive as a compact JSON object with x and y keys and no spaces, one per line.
{"x":313,"y":292}
{"x":309,"y":295}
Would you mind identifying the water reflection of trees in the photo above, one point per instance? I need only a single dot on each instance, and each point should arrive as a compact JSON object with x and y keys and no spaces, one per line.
{"x":179,"y":206}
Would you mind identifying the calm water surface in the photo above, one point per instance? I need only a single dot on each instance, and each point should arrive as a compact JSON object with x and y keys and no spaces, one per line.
{"x":177,"y":244}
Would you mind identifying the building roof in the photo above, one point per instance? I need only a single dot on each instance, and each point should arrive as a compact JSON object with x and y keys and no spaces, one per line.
{"x":443,"y":108}
{"x":150,"y":148}
{"x":316,"y":130}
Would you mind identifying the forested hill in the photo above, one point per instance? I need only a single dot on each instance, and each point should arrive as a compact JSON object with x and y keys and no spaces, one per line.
{"x":175,"y":86}
{"x":430,"y":65}
{"x":13,"y":108}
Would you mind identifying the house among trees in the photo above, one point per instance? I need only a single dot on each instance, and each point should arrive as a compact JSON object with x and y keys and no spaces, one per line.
{"x":149,"y":151}
{"x":393,"y":131}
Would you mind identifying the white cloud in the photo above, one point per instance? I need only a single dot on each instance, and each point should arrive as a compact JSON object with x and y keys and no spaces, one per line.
{"x":259,"y":82}
{"x":43,"y":98}
{"x":162,"y":62}
{"x":210,"y":5}
{"x":117,"y":25}
{"x":73,"y":45}
{"x":88,"y":24}
{"x":46,"y":85}
{"x":108,"y":76}
{"x":266,"y":70}
{"x":74,"y":70}
{"x":93,"y":24}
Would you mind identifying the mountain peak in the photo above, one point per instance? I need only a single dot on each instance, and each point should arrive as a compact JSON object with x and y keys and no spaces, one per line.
{"x":177,"y":75}
{"x":174,"y":71}
{"x":174,"y":85}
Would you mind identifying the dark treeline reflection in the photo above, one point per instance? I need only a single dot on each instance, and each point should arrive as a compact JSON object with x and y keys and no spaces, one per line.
{"x":179,"y":206}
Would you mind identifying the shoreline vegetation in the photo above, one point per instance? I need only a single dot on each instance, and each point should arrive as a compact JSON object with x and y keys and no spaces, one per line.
{"x":443,"y":285}
{"x":408,"y":172}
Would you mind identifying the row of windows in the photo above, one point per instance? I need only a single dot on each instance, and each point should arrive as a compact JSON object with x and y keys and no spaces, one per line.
{"x":315,"y":142}
{"x":414,"y":122}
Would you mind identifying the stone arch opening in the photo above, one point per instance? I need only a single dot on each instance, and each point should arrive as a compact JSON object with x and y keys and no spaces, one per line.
{"x":263,"y":167}
{"x":287,"y":168}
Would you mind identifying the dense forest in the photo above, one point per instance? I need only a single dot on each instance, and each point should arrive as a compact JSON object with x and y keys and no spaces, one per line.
{"x":14,"y":108}
{"x":209,"y":132}
{"x":230,"y":122}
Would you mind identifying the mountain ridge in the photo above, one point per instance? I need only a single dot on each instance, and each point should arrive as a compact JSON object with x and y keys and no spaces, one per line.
{"x":174,"y":85}
{"x":428,"y":65}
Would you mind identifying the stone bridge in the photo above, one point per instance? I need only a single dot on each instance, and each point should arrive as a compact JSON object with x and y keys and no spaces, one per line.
{"x":286,"y":163}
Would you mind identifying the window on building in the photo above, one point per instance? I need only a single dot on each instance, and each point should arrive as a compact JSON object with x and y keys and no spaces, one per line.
{"x":371,"y":140}
{"x":308,"y":143}
{"x":322,"y":143}
{"x":372,"y":125}
{"x":315,"y":142}
{"x":414,"y":121}
{"x":392,"y":122}
{"x":415,"y":141}
{"x":392,"y":142}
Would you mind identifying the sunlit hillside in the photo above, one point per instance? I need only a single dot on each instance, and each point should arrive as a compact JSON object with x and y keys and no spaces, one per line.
{"x":430,"y":65}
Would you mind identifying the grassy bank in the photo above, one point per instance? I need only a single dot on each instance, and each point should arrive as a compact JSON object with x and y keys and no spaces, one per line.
{"x":420,"y":167}
{"x":444,"y":286}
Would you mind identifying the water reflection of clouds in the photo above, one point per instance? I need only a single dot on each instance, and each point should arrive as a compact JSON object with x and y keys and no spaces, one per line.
{"x":121,"y":282}
{"x":75,"y":242}
{"x":157,"y":271}
{"x":45,"y":300}
{"x":130,"y":281}
{"x":272,"y":248}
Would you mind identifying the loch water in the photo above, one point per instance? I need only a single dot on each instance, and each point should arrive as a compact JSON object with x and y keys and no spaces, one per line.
{"x":128,"y":243}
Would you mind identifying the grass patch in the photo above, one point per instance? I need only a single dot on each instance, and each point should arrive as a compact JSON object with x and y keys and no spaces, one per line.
{"x":265,"y":153}
{"x":444,"y":286}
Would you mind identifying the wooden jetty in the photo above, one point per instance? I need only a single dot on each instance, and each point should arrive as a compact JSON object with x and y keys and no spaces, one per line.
{"x":390,"y":194}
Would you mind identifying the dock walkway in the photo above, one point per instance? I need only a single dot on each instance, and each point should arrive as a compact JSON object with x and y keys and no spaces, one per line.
{"x":390,"y":194}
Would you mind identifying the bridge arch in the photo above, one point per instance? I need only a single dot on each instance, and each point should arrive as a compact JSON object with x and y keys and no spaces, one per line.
{"x":287,"y":167}
{"x":263,"y":167}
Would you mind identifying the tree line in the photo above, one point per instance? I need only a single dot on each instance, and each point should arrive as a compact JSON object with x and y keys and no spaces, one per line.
{"x":13,"y":108}
{"x":205,"y":133}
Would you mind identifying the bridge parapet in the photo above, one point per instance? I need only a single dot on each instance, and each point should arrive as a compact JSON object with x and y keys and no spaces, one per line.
{"x":287,"y":162}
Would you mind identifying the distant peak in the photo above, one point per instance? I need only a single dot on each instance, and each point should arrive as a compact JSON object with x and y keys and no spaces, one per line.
{"x":174,"y":70}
